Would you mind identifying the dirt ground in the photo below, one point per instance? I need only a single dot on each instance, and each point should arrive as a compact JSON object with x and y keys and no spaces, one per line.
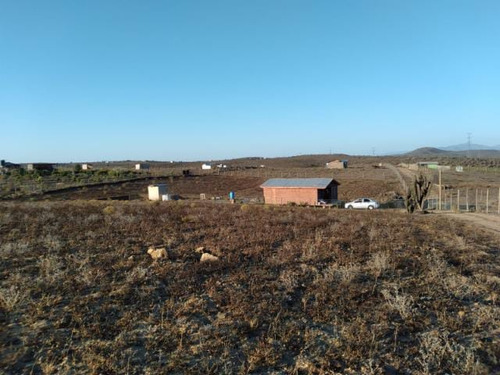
{"x":293,"y":290}
{"x":245,"y":187}
{"x":188,"y":188}
{"x":490,"y":223}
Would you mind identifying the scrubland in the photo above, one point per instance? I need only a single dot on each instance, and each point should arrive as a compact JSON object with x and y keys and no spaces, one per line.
{"x":294,"y":290}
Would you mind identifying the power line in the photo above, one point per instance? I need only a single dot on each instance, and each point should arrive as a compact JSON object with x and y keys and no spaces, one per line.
{"x":469,"y":135}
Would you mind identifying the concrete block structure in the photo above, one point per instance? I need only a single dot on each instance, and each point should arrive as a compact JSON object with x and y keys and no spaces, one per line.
{"x":40,"y":167}
{"x":141,"y":166}
{"x":337,"y":164}
{"x":87,"y":167}
{"x":309,"y":191}
{"x":156,"y":192}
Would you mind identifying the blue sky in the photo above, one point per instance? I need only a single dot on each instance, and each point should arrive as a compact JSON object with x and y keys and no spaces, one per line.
{"x":192,"y":80}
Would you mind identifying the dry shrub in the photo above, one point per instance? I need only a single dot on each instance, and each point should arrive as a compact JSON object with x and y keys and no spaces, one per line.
{"x":400,"y":302}
{"x":108,"y":210}
{"x":11,"y":297}
{"x":438,"y":351}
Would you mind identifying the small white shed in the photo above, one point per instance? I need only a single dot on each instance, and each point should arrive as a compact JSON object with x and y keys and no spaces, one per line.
{"x":87,"y":167}
{"x":141,"y":166}
{"x":206,"y":166}
{"x":156,"y":192}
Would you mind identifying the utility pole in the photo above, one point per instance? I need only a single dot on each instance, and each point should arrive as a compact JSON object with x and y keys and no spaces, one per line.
{"x":469,"y":135}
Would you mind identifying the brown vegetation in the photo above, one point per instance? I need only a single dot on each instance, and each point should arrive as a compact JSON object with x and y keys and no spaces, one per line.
{"x":295,"y":290}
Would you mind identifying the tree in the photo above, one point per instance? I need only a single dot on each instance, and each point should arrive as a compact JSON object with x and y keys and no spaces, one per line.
{"x":417,"y":193}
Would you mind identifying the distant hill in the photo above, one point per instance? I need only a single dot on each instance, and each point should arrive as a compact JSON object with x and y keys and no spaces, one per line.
{"x":465,"y":147}
{"x":427,"y":151}
{"x":438,"y":152}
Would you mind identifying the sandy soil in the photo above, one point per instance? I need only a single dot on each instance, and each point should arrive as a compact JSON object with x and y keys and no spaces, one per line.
{"x":490,"y":222}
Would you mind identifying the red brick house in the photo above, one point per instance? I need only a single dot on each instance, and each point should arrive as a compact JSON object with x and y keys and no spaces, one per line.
{"x":300,"y":190}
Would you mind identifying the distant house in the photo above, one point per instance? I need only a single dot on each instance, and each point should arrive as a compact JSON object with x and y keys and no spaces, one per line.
{"x":428,"y":164}
{"x":87,"y":167}
{"x":141,"y":166}
{"x":206,"y":166}
{"x":40,"y":167}
{"x":443,"y":167}
{"x":337,"y":164}
{"x":6,"y":166}
{"x":156,"y":192}
{"x":300,"y":190}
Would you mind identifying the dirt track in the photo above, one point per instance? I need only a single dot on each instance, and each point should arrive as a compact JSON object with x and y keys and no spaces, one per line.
{"x":488,"y":222}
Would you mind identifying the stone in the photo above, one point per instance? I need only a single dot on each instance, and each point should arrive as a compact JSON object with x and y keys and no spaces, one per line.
{"x":157,"y":253}
{"x":206,"y":257}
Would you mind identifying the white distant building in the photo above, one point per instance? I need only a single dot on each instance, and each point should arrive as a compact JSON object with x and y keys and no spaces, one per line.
{"x":87,"y":167}
{"x":156,"y":192}
{"x":141,"y":166}
{"x":206,"y":166}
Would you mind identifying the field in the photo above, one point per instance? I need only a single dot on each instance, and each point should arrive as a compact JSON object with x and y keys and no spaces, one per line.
{"x":365,"y":176}
{"x":294,"y":290}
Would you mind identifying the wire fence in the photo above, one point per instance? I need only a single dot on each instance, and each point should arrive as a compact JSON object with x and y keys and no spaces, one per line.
{"x":484,"y":200}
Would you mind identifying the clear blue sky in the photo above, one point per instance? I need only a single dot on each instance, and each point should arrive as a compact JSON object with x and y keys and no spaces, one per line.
{"x":192,"y":80}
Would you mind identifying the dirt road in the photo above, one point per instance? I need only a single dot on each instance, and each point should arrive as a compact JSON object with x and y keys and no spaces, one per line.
{"x":489,"y":222}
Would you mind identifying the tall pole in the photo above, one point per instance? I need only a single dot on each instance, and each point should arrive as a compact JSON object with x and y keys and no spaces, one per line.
{"x":440,"y":190}
{"x":458,"y":201}
{"x":467,"y":199}
{"x":487,"y":196}
{"x":476,"y":209}
{"x":499,"y":200}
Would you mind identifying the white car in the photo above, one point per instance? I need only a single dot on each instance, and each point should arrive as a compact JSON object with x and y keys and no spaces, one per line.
{"x":364,"y":203}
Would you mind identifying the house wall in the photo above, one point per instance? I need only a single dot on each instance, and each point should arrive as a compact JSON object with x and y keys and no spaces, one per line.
{"x":335,"y":165}
{"x":273,"y":195}
{"x":156,"y":191}
{"x":40,"y":167}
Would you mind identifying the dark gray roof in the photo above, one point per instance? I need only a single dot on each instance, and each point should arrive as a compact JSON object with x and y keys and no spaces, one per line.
{"x":318,"y":183}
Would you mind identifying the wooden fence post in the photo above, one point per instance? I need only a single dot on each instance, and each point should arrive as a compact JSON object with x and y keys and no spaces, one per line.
{"x":476,"y":209}
{"x":467,"y":199}
{"x":458,"y":200}
{"x":487,"y":200}
{"x":440,"y":191}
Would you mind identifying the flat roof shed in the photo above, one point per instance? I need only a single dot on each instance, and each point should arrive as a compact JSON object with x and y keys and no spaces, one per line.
{"x":300,"y":190}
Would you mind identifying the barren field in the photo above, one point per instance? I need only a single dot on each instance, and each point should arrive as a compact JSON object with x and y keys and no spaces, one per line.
{"x":294,"y":290}
{"x":187,"y":188}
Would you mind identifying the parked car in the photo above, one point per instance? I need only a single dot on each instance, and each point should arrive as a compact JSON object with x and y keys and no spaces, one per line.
{"x":363,"y":203}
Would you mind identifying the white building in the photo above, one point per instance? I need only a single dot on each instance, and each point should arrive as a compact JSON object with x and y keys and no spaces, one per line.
{"x":156,"y":192}
{"x":206,"y":166}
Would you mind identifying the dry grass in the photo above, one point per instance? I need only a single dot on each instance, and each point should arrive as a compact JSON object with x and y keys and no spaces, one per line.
{"x":295,"y":290}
